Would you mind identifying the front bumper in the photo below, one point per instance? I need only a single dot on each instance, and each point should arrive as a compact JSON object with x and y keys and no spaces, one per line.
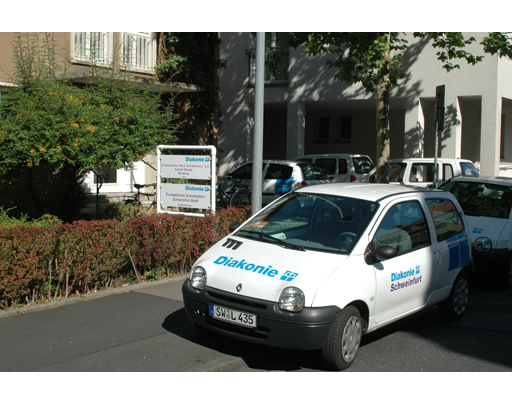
{"x":493,"y":261}
{"x":306,"y":330}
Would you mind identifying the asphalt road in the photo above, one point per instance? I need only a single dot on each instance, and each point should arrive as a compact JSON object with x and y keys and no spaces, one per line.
{"x":144,"y":328}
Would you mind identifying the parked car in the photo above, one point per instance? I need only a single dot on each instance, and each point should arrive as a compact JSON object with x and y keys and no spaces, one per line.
{"x":341,"y":168}
{"x":487,"y":204}
{"x":419,"y":172}
{"x":325,"y":264}
{"x":279,"y":177}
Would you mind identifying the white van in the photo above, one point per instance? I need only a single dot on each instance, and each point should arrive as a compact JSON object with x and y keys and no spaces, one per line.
{"x":419,"y":172}
{"x":342,"y":167}
{"x":325,"y":264}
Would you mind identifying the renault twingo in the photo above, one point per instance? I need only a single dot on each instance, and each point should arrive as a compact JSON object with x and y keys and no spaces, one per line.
{"x":326,"y":264}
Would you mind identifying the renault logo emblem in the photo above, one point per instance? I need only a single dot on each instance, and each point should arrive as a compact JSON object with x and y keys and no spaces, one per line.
{"x":239,"y":287}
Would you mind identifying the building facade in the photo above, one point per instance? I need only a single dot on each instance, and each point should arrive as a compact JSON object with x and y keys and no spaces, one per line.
{"x":307,"y":112}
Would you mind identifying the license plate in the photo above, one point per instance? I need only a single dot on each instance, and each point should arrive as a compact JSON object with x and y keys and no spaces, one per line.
{"x":233,"y":316}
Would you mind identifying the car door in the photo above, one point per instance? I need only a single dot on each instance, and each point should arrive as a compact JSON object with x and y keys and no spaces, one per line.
{"x":404,"y":282}
{"x":452,"y":242}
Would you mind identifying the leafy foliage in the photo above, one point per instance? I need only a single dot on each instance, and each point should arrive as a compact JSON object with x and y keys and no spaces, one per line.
{"x":39,"y":264}
{"x":103,"y":124}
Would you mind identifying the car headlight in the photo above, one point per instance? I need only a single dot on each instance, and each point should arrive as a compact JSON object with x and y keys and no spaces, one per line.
{"x":291,"y":299}
{"x":483,"y":244}
{"x":198,"y":278}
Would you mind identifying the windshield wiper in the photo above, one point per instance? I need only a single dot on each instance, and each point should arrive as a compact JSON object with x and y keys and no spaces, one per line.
{"x":278,"y":241}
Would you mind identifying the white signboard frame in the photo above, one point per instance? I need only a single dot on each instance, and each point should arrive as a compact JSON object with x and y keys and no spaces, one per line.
{"x":188,"y":167}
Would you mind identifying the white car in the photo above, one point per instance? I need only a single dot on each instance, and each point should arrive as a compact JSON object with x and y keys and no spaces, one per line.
{"x":341,"y":167}
{"x":419,"y":172}
{"x":326,"y":264}
{"x":487,"y":205}
{"x":279,"y":177}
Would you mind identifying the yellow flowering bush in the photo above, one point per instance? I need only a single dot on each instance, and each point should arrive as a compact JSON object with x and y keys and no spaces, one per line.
{"x":75,"y":130}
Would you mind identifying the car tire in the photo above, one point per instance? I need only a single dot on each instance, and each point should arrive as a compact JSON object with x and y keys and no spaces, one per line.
{"x":342,"y":343}
{"x":453,"y":308}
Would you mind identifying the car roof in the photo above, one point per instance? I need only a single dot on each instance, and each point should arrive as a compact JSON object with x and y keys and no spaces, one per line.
{"x":364,"y":191}
{"x":505,"y":181}
{"x":330,"y":155}
{"x":427,"y":160}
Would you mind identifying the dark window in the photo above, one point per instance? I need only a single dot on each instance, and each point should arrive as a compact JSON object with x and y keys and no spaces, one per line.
{"x":345,"y":135}
{"x":328,"y":164}
{"x":447,"y":220}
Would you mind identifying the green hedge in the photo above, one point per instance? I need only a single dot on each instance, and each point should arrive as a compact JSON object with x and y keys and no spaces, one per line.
{"x":38,"y":264}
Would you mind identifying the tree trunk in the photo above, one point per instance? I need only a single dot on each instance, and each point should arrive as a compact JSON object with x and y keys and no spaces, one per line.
{"x":382,"y":96}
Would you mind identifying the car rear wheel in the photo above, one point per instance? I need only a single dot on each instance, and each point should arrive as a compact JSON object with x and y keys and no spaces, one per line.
{"x":342,"y":344}
{"x":453,"y":308}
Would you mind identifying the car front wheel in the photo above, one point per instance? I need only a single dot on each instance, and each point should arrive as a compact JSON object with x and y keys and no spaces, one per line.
{"x":342,"y":344}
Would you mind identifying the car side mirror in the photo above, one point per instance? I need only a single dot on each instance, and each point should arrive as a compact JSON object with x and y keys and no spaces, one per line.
{"x":233,"y":225}
{"x":378,"y":254}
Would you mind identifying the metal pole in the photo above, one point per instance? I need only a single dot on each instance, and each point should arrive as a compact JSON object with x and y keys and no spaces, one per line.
{"x":257,"y":160}
{"x":439,"y":107}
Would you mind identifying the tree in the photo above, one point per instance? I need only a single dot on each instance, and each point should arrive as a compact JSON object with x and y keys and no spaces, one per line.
{"x":375,"y":59}
{"x":47,"y":123}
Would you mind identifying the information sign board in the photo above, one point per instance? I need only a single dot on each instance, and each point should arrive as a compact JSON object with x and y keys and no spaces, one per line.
{"x":185,"y":167}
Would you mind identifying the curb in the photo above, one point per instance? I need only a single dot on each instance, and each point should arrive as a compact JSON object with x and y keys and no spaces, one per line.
{"x":86,"y":297}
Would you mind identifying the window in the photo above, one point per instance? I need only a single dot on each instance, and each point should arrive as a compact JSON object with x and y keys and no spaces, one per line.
{"x":323,"y":129}
{"x":447,"y":171}
{"x":328,"y":164}
{"x":362,"y":164}
{"x":93,"y":48}
{"x":404,"y":227}
{"x":345,"y":133}
{"x":278,"y":172}
{"x":244,"y":172}
{"x":276,"y":54}
{"x":343,"y":166}
{"x":447,"y":220}
{"x":422,"y":172}
{"x":482,"y":199}
{"x":139,"y":51}
{"x":108,"y":175}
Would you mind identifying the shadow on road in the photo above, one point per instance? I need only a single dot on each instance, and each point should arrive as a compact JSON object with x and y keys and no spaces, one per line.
{"x":483,"y":334}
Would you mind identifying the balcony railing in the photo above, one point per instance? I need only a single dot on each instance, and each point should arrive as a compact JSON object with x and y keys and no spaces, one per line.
{"x":139,"y":52}
{"x":93,"y":48}
{"x":96,"y":48}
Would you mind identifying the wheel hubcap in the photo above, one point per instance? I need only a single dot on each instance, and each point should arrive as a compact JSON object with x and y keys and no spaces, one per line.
{"x":351,"y":339}
{"x":461,"y":296}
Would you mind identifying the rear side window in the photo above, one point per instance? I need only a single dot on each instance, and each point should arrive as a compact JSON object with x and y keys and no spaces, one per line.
{"x":447,"y":220}
{"x":278,"y":172}
{"x":422,"y":172}
{"x":447,"y":171}
{"x":343,"y":166}
{"x":329,"y":165}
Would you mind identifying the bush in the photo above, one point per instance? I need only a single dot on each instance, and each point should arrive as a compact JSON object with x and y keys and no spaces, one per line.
{"x":44,"y":263}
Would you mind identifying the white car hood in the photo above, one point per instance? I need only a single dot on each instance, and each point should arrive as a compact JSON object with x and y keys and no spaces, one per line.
{"x":264,"y":269}
{"x":492,"y":228}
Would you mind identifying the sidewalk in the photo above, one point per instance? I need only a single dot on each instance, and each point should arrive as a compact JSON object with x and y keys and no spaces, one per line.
{"x":87,"y":297}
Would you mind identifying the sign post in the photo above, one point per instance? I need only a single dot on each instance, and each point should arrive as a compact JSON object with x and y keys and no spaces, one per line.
{"x":439,"y":126}
{"x":186,"y":195}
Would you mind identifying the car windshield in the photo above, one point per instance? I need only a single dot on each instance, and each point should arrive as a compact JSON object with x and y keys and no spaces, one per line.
{"x":481,"y":199}
{"x":362,"y":164}
{"x":306,"y":221}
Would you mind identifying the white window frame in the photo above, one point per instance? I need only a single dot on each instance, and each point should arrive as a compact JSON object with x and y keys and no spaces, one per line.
{"x":139,"y":52}
{"x":95,"y":48}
